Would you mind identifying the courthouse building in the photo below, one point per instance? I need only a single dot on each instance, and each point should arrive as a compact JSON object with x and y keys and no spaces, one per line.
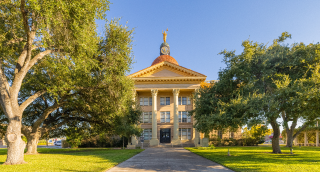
{"x":164,"y":91}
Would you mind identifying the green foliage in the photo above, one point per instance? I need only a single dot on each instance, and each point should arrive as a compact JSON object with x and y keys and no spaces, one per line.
{"x":74,"y":136}
{"x":260,"y":85}
{"x":102,"y":140}
{"x":256,"y":133}
{"x":24,"y":138}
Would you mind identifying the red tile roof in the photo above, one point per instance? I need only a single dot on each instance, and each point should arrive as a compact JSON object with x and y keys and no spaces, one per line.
{"x":164,"y":58}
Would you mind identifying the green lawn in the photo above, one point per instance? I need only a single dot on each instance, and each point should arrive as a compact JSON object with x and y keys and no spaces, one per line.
{"x":260,"y":158}
{"x":70,"y":159}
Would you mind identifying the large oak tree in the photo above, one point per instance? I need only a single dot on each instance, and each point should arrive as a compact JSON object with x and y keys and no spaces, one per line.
{"x":262,"y":84}
{"x":39,"y":34}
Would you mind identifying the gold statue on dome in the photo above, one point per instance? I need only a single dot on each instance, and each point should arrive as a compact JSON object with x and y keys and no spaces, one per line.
{"x":164,"y":35}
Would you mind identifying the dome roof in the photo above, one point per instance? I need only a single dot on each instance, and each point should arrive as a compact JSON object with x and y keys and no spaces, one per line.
{"x":164,"y":58}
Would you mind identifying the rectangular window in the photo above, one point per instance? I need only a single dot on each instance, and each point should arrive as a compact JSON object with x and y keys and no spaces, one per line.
{"x":184,"y":133}
{"x":231,"y":135}
{"x":184,"y":101}
{"x":145,"y":101}
{"x":146,"y":117}
{"x":183,"y":116}
{"x":220,"y":134}
{"x":164,"y":117}
{"x":162,"y":100}
{"x":141,"y":101}
{"x":167,"y":100}
{"x":147,"y":134}
{"x":189,"y":101}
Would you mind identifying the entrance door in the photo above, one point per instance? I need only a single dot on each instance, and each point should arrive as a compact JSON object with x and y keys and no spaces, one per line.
{"x":165,"y":135}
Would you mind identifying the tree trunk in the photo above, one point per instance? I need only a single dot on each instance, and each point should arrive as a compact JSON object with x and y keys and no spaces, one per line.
{"x":32,"y":143}
{"x":14,"y":142}
{"x":276,"y":135}
{"x":289,"y":138}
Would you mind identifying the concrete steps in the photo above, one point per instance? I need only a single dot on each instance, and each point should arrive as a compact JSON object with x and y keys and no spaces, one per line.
{"x":169,"y":145}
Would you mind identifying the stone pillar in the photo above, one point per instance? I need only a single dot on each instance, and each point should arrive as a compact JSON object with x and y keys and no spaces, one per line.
{"x":154,"y":140}
{"x":317,"y":138}
{"x":305,"y":139}
{"x":175,"y":117}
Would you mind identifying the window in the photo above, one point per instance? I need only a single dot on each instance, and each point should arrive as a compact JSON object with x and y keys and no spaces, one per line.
{"x":145,"y":101}
{"x":220,"y":134}
{"x":167,"y":100}
{"x":184,"y":133}
{"x":184,"y":101}
{"x":231,"y":135}
{"x":147,"y":134}
{"x":164,"y":117}
{"x":183,"y":116}
{"x":146,"y":117}
{"x":164,"y":100}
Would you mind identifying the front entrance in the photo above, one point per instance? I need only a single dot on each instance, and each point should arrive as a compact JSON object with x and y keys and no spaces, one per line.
{"x":165,"y":135}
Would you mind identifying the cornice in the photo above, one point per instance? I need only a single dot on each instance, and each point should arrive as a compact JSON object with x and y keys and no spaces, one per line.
{"x":151,"y":69}
{"x":167,"y":80}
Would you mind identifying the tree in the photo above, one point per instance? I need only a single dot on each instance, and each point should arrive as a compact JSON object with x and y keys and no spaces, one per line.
{"x":35,"y":35}
{"x":256,"y":133}
{"x":262,"y":84}
{"x":94,"y":98}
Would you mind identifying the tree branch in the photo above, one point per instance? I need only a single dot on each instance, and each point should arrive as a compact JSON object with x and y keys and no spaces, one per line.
{"x":39,"y":57}
{"x":45,"y":130}
{"x":26,"y":103}
{"x":3,"y":79}
{"x":301,"y":129}
{"x":45,"y":114}
{"x":25,"y":130}
{"x":13,"y":41}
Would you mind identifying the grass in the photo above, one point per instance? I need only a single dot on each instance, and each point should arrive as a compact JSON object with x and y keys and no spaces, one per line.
{"x":260,"y":158}
{"x":70,"y":159}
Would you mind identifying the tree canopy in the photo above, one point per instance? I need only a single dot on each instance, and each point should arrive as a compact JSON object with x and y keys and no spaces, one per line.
{"x":262,"y":84}
{"x":51,"y":49}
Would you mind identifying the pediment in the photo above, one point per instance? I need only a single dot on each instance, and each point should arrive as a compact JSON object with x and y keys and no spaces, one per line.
{"x":166,"y":69}
{"x":164,"y":73}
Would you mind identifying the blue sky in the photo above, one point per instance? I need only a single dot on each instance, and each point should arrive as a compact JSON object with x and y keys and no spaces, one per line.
{"x":199,"y":30}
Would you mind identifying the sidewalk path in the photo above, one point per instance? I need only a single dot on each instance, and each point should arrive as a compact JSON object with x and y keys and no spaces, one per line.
{"x":168,"y":159}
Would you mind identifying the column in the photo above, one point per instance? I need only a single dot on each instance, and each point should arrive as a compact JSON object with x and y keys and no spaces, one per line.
{"x":296,"y":141}
{"x":317,"y":138}
{"x":196,"y":134}
{"x":154,"y":140}
{"x":305,"y":139}
{"x":175,"y":117}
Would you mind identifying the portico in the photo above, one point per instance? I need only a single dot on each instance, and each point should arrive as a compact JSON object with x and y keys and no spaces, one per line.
{"x":164,"y":91}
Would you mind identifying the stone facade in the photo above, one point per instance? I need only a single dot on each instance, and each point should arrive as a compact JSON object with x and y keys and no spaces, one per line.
{"x":165,"y":91}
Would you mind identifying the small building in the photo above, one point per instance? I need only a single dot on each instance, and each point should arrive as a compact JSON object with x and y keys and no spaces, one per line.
{"x":165,"y":91}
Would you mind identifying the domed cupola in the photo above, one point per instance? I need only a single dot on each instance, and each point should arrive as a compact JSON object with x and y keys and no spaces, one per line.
{"x":164,"y":52}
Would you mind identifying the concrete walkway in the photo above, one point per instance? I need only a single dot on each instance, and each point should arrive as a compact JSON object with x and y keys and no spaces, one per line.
{"x":168,"y":159}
